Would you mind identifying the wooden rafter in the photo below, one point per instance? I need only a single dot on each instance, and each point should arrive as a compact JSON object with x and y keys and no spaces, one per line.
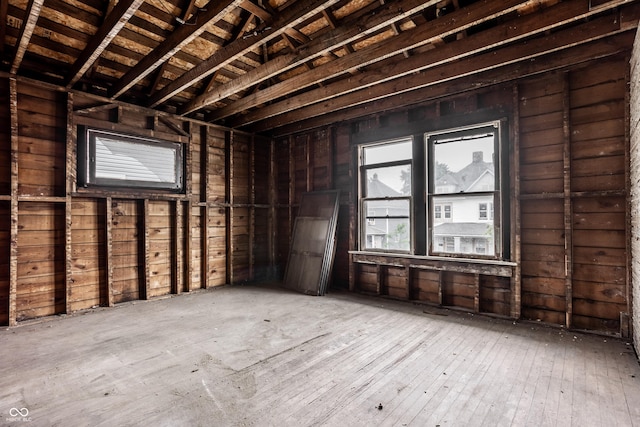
{"x":455,"y":22}
{"x":342,"y":36}
{"x":238,"y":32}
{"x":256,"y":10}
{"x":158,"y":77}
{"x":112,"y":25}
{"x":291,"y":16}
{"x":471,"y":75}
{"x":29,"y":24}
{"x":521,"y":28}
{"x":189,"y":10}
{"x":182,"y":36}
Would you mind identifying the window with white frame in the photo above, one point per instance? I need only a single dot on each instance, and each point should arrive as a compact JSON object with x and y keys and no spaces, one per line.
{"x":386,"y":200}
{"x":436,"y":195}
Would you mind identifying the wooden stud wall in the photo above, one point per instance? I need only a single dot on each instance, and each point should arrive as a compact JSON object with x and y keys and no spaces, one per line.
{"x":634,"y":202}
{"x":64,"y":249}
{"x":568,"y":202}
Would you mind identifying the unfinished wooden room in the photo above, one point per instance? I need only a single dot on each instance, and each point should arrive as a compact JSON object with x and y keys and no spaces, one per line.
{"x":320,"y":212}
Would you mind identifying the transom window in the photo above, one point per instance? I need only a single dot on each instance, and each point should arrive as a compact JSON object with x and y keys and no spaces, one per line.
{"x":112,"y":159}
{"x":446,"y":208}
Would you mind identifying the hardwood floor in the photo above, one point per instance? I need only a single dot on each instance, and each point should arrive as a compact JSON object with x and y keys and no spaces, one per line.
{"x":267,"y":356}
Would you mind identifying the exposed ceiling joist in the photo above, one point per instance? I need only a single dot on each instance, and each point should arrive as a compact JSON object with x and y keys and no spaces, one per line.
{"x":297,"y":13}
{"x":29,"y":24}
{"x":112,"y":25}
{"x":518,"y":29}
{"x":349,"y":32}
{"x":182,"y":36}
{"x":256,"y":10}
{"x":449,"y":24}
{"x":256,"y":64}
{"x":548,"y":61}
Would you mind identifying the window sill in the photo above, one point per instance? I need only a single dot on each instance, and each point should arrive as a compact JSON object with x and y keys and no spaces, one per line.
{"x":437,"y":263}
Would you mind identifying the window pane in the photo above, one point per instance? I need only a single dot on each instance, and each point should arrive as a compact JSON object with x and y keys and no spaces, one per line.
{"x":387,"y":233}
{"x":391,"y":152}
{"x":129,"y":161}
{"x":394,"y":181}
{"x":385,"y":208}
{"x":464,"y":165}
{"x":463,"y":232}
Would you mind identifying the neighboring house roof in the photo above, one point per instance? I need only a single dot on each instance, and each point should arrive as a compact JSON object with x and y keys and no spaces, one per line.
{"x":462,"y":229}
{"x":448,"y":179}
{"x":375,"y":231}
{"x":377,"y":188}
{"x":466,"y":177}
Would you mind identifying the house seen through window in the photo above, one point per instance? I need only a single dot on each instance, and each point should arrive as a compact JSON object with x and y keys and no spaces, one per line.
{"x":462,"y":184}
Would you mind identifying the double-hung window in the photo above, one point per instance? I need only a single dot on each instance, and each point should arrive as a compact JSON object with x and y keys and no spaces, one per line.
{"x":441,"y":193}
{"x":386,"y":196}
{"x":464,"y":173}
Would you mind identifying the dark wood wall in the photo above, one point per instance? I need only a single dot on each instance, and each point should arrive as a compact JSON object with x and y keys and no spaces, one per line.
{"x":569,"y":191}
{"x":64,"y":248}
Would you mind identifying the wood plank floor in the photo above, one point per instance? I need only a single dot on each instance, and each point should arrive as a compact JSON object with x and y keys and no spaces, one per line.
{"x":263,"y":356}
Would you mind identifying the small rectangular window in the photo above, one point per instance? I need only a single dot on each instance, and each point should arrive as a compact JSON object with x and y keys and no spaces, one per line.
{"x":112,"y":159}
{"x":482,"y":207}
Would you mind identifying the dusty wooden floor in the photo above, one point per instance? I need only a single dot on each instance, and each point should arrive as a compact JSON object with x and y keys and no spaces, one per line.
{"x":266,"y":356}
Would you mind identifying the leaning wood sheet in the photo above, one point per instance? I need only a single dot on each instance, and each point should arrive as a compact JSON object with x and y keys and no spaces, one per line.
{"x":313,"y":243}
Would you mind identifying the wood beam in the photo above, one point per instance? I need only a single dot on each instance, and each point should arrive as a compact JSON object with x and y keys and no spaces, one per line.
{"x":548,"y":61}
{"x":112,"y":25}
{"x":256,"y":10}
{"x":188,"y":11}
{"x":183,"y":35}
{"x":230,"y":196}
{"x":450,"y":24}
{"x":158,"y":77}
{"x":13,"y":233}
{"x":177,"y":248}
{"x":350,"y":31}
{"x":70,"y":172}
{"x":435,"y":66}
{"x":109,"y":262}
{"x":29,"y":24}
{"x":568,"y":202}
{"x":296,"y":14}
{"x":516,"y":221}
{"x":4,"y":8}
{"x":238,"y":32}
{"x":145,"y":251}
{"x":271,"y":69}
